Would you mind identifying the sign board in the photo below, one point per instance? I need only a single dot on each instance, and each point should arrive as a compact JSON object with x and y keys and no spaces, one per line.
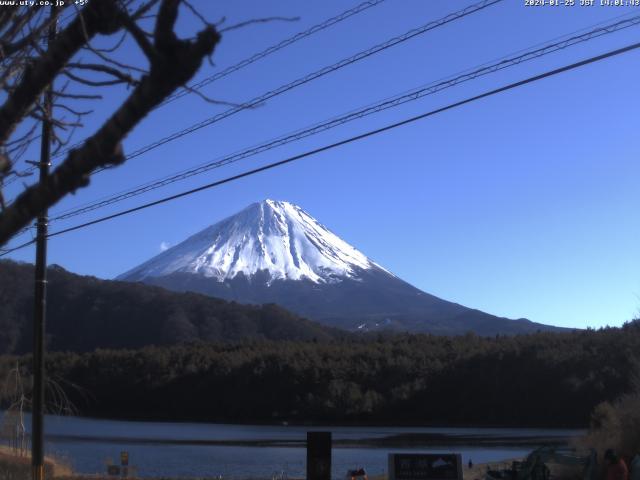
{"x":113,"y":470}
{"x":427,"y":466}
{"x":318,"y":455}
{"x":124,"y":458}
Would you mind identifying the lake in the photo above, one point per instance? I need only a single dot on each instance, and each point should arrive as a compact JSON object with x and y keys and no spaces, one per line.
{"x":251,"y":451}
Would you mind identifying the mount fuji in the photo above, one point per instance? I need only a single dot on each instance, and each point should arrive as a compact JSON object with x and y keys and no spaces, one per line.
{"x":275,"y":252}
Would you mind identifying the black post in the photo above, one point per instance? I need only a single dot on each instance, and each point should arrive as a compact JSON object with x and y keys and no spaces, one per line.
{"x":318,"y":455}
{"x":39,"y":311}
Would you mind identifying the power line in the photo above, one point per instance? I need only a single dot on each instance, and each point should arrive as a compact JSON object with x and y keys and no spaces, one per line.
{"x":341,"y":120}
{"x":7,"y":251}
{"x":317,"y":74}
{"x":258,"y":56}
{"x":349,"y":140}
{"x":274,"y":48}
{"x":259,"y":100}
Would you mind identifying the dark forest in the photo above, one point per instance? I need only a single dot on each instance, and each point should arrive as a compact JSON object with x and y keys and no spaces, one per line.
{"x":544,"y":379}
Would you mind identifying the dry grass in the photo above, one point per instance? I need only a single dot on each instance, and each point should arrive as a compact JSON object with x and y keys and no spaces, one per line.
{"x":15,"y":467}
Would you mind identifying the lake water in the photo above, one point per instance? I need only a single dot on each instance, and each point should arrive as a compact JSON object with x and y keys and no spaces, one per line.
{"x":181,"y":449}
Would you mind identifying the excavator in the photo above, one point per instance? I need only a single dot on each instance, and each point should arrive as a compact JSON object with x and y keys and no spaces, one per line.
{"x":534,"y":466}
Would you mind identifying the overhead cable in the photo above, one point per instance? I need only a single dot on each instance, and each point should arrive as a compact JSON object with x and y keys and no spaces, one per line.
{"x":340,"y":143}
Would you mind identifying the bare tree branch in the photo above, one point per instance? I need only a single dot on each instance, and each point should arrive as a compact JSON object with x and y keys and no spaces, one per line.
{"x":141,"y":39}
{"x":144,"y":9}
{"x":76,"y":96}
{"x":71,"y":110}
{"x":196,"y":13}
{"x":96,"y":67}
{"x":175,"y":63}
{"x":99,"y":83}
{"x":99,"y":17}
{"x":8,"y":49}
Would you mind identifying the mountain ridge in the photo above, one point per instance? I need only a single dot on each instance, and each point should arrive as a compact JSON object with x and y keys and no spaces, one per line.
{"x":275,"y":252}
{"x":84,"y":313}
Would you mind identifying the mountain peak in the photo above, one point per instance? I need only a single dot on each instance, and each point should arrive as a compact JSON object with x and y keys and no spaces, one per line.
{"x":276,"y":203}
{"x":275,"y":252}
{"x":271,"y":203}
{"x":272,"y":236}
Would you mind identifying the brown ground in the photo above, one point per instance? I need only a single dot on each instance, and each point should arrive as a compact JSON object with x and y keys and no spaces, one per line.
{"x":477,"y":471}
{"x":17,"y":467}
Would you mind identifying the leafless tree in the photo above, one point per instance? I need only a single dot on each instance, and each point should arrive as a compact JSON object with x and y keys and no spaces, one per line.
{"x":16,"y":398}
{"x":79,"y":65}
{"x":12,"y":424}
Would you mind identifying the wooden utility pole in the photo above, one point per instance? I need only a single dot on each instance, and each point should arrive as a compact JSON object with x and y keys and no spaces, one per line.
{"x":40,"y":293}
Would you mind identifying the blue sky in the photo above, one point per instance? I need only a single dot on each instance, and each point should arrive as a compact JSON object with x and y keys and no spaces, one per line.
{"x":521,"y":205}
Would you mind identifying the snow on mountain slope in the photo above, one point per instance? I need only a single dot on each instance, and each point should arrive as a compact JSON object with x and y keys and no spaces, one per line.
{"x":271,"y":236}
{"x":275,"y":252}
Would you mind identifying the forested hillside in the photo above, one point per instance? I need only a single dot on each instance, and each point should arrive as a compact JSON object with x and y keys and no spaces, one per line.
{"x":84,"y":313}
{"x":545,"y":379}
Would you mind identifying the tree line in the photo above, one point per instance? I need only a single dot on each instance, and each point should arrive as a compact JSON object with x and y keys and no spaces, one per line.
{"x":543,"y":379}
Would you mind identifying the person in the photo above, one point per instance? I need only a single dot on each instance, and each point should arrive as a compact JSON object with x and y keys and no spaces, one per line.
{"x":635,"y":468}
{"x":616,"y":469}
{"x":470,"y":464}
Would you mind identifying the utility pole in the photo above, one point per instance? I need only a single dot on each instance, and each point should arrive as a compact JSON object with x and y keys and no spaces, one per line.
{"x":40,"y":294}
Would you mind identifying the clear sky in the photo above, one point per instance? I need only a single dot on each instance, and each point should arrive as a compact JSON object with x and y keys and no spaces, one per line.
{"x":524,"y":204}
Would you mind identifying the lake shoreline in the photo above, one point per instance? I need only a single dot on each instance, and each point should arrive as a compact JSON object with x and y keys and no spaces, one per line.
{"x":329,"y":423}
{"x":236,"y":452}
{"x":407,"y":440}
{"x":322,"y":424}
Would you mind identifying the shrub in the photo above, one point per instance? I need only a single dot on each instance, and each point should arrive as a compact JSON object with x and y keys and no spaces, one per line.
{"x":616,"y":425}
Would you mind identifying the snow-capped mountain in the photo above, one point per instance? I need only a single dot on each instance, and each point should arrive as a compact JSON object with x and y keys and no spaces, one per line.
{"x":275,"y":252}
{"x":272,"y":237}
